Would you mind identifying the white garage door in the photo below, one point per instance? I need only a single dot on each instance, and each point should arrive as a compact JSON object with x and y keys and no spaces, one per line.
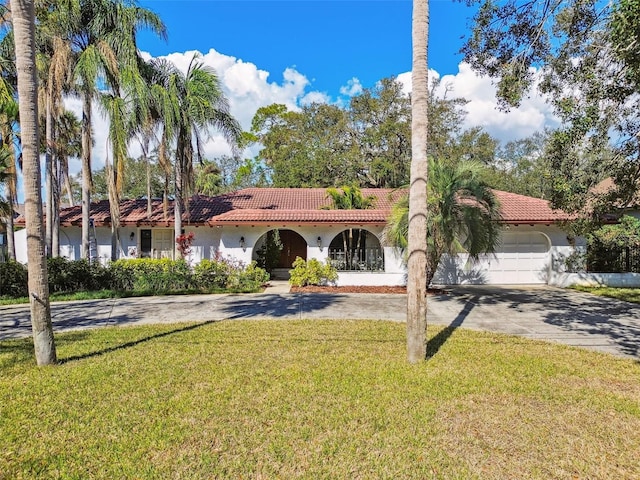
{"x":521,"y":258}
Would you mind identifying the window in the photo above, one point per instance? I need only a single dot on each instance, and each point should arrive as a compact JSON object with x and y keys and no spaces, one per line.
{"x":356,"y":249}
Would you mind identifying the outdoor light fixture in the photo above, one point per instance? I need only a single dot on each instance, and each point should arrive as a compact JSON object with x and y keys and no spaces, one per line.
{"x":242,"y":242}
{"x":131,"y":235}
{"x":319,"y":242}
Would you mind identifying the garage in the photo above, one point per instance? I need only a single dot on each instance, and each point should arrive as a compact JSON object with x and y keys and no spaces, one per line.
{"x":521,"y":258}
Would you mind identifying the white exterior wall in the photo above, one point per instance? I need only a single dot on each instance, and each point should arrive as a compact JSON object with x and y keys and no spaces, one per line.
{"x":225,"y":240}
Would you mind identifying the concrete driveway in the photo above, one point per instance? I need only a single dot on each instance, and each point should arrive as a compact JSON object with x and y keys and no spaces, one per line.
{"x":542,"y":313}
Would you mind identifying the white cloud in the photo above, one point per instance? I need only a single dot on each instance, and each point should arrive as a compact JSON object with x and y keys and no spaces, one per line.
{"x":352,"y":88}
{"x":532,"y":116}
{"x":248,"y":88}
{"x":315,"y":97}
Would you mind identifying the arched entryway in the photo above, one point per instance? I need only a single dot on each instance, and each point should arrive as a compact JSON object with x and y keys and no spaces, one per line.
{"x":276,"y":251}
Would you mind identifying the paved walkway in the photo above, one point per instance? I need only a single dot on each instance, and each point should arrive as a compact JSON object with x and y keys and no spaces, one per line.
{"x":542,"y":313}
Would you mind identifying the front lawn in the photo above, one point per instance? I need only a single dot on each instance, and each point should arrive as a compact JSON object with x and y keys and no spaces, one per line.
{"x":626,"y":294}
{"x":314,"y":399}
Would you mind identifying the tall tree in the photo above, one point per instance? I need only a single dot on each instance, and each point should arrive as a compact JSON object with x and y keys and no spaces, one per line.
{"x":23,"y":19}
{"x":8,"y":128}
{"x":313,"y":147}
{"x":583,"y":55}
{"x":134,"y":183}
{"x":68,"y":145}
{"x":193,"y":106}
{"x":380,"y":117}
{"x":102,"y":35}
{"x":55,"y":61}
{"x":367,"y":143}
{"x":417,"y":222}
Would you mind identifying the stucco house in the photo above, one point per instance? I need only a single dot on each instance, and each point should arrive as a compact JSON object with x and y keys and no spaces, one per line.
{"x":236,"y":225}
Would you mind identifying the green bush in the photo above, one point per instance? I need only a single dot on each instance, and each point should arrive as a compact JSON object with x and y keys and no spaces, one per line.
{"x":249,"y":278}
{"x":76,"y":275}
{"x":226,"y":273}
{"x":13,"y":280}
{"x":312,"y":272}
{"x":212,"y":274}
{"x":155,"y":275}
{"x":615,"y":248}
{"x":142,"y":275}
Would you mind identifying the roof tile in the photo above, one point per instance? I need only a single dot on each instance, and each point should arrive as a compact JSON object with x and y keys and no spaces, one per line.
{"x":303,"y":205}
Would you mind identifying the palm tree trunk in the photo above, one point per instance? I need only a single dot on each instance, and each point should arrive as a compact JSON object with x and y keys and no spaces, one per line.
{"x":86,"y":173}
{"x":417,"y":237}
{"x":68,"y":188}
{"x":55,"y":207}
{"x":49,"y":175}
{"x":24,"y":31}
{"x":11,"y":244}
{"x":114,"y":206}
{"x":177,"y":210}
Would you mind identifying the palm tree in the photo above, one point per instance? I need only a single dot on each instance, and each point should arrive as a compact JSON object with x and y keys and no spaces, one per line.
{"x":464,"y":214}
{"x":8,"y":122}
{"x":67,"y":144}
{"x":194,"y":104}
{"x":54,"y":60}
{"x":6,"y":211}
{"x":102,"y":35}
{"x":24,"y":31}
{"x":147,"y":118}
{"x":417,"y":221}
{"x":349,"y":198}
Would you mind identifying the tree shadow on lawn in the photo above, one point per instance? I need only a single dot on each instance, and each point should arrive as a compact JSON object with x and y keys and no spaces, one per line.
{"x":434,"y":345}
{"x":130,"y":344}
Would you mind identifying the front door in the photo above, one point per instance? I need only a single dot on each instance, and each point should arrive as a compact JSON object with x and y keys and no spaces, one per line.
{"x":163,"y":243}
{"x":293,"y":245}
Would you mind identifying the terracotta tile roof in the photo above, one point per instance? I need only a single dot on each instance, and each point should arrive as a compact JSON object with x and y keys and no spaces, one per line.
{"x":522,"y":209}
{"x":305,"y":205}
{"x":291,"y":205}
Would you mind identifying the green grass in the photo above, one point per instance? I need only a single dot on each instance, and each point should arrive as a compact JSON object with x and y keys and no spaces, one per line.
{"x":314,"y":399}
{"x":626,"y":294}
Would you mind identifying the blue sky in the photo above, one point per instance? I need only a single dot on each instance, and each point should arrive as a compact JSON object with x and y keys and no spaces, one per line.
{"x":328,"y":41}
{"x":295,"y":52}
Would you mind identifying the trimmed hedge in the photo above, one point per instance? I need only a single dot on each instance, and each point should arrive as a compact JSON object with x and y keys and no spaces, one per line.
{"x":142,"y":275}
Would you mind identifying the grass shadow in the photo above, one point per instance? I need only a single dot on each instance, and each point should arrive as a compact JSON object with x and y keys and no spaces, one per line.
{"x":133,"y":343}
{"x":434,"y":345}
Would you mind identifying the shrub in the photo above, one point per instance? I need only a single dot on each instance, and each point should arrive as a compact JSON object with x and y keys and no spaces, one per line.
{"x":212,"y":274}
{"x":184,"y":243}
{"x":312,"y":272}
{"x":147,"y":274}
{"x":76,"y":275}
{"x":227,"y":273}
{"x":249,"y":278}
{"x":269,"y":253}
{"x":13,"y":279}
{"x":615,"y":248}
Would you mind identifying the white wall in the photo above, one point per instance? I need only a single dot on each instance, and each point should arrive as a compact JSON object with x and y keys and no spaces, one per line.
{"x":226,"y":240}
